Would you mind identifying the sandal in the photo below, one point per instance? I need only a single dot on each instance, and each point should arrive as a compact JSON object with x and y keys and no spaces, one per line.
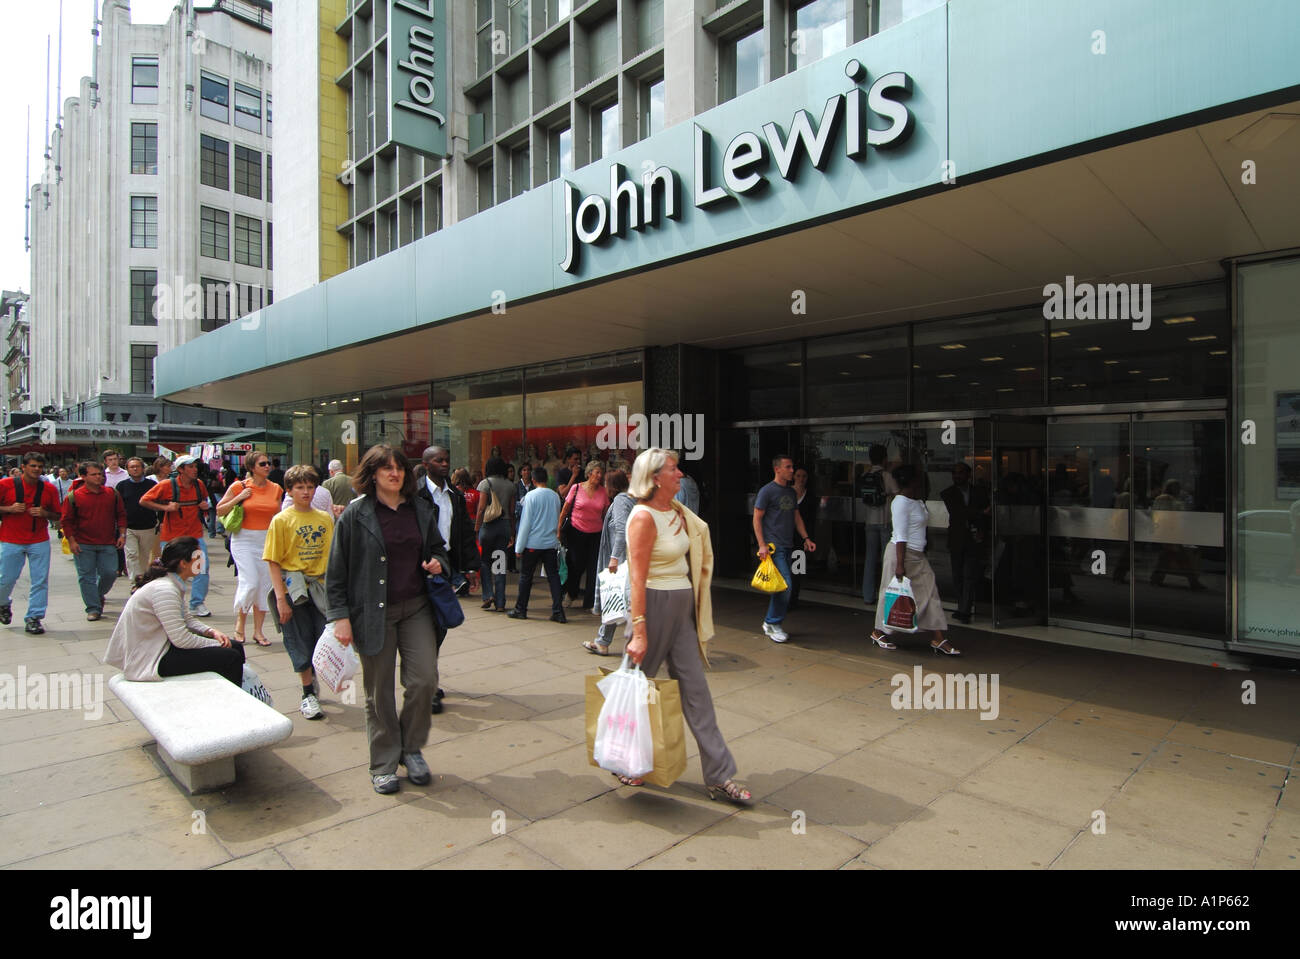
{"x":598,"y":648}
{"x":261,"y":640}
{"x":731,"y":791}
{"x":239,"y":638}
{"x":628,"y":781}
{"x":882,"y":642}
{"x":951,"y":650}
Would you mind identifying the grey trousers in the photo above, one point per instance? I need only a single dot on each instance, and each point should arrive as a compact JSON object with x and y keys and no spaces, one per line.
{"x":409,"y":629}
{"x":670,"y":635}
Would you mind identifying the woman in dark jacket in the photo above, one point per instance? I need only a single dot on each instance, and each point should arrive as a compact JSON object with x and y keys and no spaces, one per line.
{"x":385,"y":543}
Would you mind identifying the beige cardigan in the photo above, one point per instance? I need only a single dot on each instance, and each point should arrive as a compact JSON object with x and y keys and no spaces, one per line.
{"x":701,"y":559}
{"x":156,"y":618}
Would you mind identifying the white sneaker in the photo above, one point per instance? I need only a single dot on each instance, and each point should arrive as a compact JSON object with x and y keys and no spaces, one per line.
{"x":775,"y":633}
{"x":311,"y":708}
{"x":200,"y":610}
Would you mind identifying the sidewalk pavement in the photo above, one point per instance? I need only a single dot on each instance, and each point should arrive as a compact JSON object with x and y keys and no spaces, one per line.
{"x":1096,"y":760}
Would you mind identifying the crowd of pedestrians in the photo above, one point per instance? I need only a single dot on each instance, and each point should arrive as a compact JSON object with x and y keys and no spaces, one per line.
{"x":357,"y":552}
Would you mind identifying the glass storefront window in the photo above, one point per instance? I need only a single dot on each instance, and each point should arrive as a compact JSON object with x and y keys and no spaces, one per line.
{"x":565,"y":401}
{"x":1184,"y":353}
{"x":397,"y":417}
{"x":474,"y":414}
{"x":1268,"y":470}
{"x":763,"y":382}
{"x":820,"y":29}
{"x":982,"y":362}
{"x":861,"y":373}
{"x":336,"y":433}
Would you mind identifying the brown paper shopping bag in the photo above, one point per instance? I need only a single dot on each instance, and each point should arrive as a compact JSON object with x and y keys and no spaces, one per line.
{"x":666,"y":726}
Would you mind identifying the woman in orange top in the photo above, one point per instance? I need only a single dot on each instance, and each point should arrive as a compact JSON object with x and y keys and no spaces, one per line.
{"x":261,"y":501}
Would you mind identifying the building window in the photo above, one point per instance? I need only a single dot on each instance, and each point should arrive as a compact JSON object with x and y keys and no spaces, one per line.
{"x":142,"y":357}
{"x":214,"y":162}
{"x":143,"y":299}
{"x":268,"y":178}
{"x":417,"y":219}
{"x":740,"y":64}
{"x":268,"y":115}
{"x":559,"y":153}
{"x":604,"y":131}
{"x":817,"y":29}
{"x":215,"y":97}
{"x":144,"y":222}
{"x":214,"y":233}
{"x":216,"y":304}
{"x":144,"y":148}
{"x":248,"y":172}
{"x":248,"y":108}
{"x":248,"y":240}
{"x":484,"y":45}
{"x":484,"y":186}
{"x":269,"y":246}
{"x":144,"y":79}
{"x":518,"y":170}
{"x":650,"y":119}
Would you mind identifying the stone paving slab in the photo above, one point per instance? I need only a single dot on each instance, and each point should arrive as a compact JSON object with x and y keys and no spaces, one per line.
{"x":1184,"y":773}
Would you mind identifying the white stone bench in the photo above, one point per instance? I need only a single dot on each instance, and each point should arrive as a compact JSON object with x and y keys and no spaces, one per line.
{"x":201,"y":723}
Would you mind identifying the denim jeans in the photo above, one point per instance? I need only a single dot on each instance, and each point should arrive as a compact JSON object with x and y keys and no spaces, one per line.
{"x":492,"y":537}
{"x":877,"y":540}
{"x":96,"y":574}
{"x":37,"y":557}
{"x":198,"y":585}
{"x":548,"y":561}
{"x":776,"y":609}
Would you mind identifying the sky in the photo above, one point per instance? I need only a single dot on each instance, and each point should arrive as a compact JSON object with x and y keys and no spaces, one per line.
{"x":24,"y":25}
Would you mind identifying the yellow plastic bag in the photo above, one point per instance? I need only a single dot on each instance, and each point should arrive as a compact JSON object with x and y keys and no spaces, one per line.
{"x":768,"y":578}
{"x":67,"y":549}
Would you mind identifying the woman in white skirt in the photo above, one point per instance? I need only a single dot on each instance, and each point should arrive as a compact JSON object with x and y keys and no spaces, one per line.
{"x":905,"y":556}
{"x":261,"y":501}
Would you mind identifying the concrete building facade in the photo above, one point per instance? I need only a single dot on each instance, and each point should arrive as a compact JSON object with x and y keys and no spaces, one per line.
{"x":152,"y":222}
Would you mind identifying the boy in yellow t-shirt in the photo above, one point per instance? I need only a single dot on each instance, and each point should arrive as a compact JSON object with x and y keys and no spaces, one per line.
{"x":297,"y":552}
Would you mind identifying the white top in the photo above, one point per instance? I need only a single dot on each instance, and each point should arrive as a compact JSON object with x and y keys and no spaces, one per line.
{"x":442,"y":500}
{"x":670,"y":567}
{"x":155,"y":618}
{"x":910,"y":520}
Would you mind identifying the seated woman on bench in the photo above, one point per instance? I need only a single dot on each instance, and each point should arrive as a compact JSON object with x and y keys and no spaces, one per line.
{"x":157,"y":635}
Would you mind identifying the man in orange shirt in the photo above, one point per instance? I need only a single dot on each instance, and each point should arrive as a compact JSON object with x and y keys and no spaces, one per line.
{"x":182,"y":500}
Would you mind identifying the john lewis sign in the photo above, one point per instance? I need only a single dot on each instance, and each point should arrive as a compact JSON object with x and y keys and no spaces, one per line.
{"x":750,"y":163}
{"x":418,"y":103}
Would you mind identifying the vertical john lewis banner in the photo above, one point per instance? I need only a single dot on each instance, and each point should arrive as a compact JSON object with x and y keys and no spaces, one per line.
{"x":418,"y":102}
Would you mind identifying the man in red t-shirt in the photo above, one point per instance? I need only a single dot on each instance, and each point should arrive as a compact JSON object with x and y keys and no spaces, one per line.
{"x":94,"y":521}
{"x":27,"y":504}
{"x":182,"y":501}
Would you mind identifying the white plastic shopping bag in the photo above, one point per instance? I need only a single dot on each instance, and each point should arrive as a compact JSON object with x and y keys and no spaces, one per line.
{"x":624,"y":744}
{"x":900,"y":607}
{"x":613,"y":594}
{"x":252,"y":684}
{"x":334,"y":663}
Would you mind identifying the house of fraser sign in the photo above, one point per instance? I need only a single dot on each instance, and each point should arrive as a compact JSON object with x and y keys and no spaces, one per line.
{"x":747,"y":163}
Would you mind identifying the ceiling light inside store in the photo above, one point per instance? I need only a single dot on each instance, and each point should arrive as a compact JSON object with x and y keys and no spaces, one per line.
{"x":1110,"y":362}
{"x":1159,"y":379}
{"x":795,"y":363}
{"x":1218,"y":352}
{"x":1135,"y":371}
{"x":1056,"y":334}
{"x":952,"y":346}
{"x":864,"y":356}
{"x":1006,"y":389}
{"x":1178,"y":320}
{"x":1093,"y":349}
{"x":947,"y":376}
{"x":1024,"y":369}
{"x":1201,"y":339}
{"x":991,"y":359}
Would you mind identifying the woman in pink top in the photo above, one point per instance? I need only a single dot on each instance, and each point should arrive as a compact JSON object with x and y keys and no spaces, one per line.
{"x":585,"y":505}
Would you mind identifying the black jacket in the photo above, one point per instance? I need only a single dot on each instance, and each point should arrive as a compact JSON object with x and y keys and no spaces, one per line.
{"x":356,"y":577}
{"x":463,"y":548}
{"x":967,"y":524}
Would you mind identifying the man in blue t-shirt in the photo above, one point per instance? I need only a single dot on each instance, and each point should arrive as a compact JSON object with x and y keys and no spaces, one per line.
{"x":776,"y":520}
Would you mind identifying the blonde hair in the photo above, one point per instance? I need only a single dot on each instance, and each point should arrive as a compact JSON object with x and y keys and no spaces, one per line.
{"x":648,"y":464}
{"x":592,"y":467}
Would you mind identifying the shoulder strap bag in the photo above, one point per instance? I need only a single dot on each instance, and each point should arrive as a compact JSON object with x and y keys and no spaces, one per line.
{"x":493,"y":510}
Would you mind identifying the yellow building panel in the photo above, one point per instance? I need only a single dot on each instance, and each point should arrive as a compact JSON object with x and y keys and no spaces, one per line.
{"x":333,"y":60}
